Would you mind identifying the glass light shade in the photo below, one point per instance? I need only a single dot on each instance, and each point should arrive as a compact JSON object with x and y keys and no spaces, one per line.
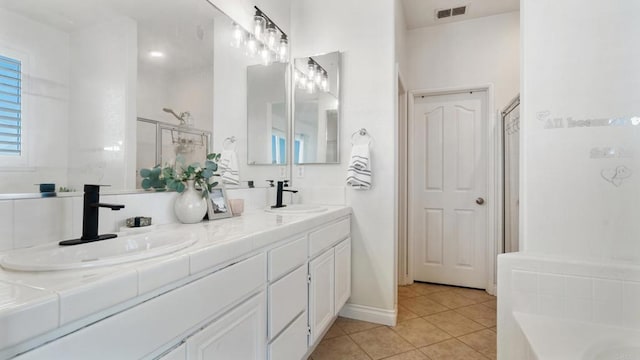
{"x":311,"y":70}
{"x":252,"y":46}
{"x":259,"y":24}
{"x":318,"y":78}
{"x":238,"y":36}
{"x":265,"y":55}
{"x":311,"y":87}
{"x":283,"y":51}
{"x":302,"y":82}
{"x":271,"y":37}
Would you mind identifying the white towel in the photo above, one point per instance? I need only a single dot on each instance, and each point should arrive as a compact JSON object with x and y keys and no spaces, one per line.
{"x":359,"y":171}
{"x":228,"y":166}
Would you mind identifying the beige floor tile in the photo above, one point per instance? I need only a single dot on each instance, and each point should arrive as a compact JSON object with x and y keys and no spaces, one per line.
{"x":381,"y":342}
{"x":492,"y":304}
{"x":427,"y":288}
{"x":420,"y":332}
{"x":411,"y":355}
{"x":494,"y":329}
{"x":334,"y":331}
{"x":341,"y":347}
{"x":454,"y":323}
{"x":405,"y":314}
{"x":483,"y":341}
{"x":406,"y":292}
{"x":478,"y":296}
{"x":451,"y":350}
{"x":351,"y":326}
{"x":450,"y":299}
{"x":480,"y":314}
{"x":422,"y":306}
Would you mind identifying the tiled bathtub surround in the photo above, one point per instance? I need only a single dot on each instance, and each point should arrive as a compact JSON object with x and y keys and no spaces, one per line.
{"x":29,"y":222}
{"x":600,"y":293}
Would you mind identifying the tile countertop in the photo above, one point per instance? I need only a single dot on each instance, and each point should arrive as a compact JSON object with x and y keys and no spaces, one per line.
{"x":58,"y":302}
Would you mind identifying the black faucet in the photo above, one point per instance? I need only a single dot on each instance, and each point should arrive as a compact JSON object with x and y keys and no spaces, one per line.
{"x":90,"y":217}
{"x":281,"y":188}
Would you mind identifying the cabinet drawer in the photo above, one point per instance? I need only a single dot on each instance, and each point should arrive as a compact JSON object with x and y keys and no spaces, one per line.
{"x":292,"y":343}
{"x":287,"y":299}
{"x":286,"y":257}
{"x":328,"y":235}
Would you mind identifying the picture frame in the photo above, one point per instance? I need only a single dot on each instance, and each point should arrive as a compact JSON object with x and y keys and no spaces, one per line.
{"x":218,"y":205}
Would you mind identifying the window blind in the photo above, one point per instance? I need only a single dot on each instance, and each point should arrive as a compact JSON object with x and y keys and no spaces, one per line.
{"x":10,"y":106}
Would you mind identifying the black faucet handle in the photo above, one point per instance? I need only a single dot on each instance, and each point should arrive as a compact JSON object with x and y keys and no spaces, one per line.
{"x":271,"y":183}
{"x":110,"y":206}
{"x":285,"y":183}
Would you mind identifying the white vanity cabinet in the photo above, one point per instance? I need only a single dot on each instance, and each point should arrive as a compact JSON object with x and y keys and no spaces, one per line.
{"x":273,"y":303}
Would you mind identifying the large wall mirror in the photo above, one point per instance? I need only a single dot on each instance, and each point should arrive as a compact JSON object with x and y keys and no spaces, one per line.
{"x":93,"y":81}
{"x":267,"y":121}
{"x":316,"y":115}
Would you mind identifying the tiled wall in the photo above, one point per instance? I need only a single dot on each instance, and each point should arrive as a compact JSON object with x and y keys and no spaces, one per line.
{"x":28,"y":222}
{"x":604,"y":293}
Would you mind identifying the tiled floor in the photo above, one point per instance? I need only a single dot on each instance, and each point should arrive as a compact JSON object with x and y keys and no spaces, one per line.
{"x":435,"y":322}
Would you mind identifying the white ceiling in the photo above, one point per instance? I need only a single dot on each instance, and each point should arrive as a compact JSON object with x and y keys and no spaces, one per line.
{"x":421,"y":13}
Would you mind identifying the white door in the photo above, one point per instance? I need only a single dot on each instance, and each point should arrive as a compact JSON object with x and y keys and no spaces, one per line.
{"x":448,"y":189}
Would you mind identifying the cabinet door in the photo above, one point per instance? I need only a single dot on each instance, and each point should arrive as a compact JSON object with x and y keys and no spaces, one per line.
{"x":321,"y":294}
{"x":343,"y":273}
{"x":239,"y":334}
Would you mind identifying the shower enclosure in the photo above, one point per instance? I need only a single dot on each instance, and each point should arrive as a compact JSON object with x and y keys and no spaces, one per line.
{"x":511,"y":163}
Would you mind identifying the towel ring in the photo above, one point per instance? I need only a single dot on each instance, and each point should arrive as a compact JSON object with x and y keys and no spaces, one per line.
{"x":228,"y":142}
{"x":361,"y":133}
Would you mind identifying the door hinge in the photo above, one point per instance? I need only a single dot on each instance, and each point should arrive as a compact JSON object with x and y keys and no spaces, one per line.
{"x":309,"y":330}
{"x":309,"y":279}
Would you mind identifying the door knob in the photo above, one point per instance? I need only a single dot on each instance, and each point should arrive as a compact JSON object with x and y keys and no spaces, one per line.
{"x":479,"y":201}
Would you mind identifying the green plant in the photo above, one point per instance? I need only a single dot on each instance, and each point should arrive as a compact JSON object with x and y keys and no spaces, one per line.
{"x":174,"y":177}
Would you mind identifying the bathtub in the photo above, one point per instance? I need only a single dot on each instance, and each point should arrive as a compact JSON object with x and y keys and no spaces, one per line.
{"x":550,"y":338}
{"x":553,"y":308}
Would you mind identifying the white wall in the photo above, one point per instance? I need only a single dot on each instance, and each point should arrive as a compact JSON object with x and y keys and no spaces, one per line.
{"x":467,"y":53}
{"x":365,"y":35}
{"x":579,"y":64}
{"x":103,"y":111}
{"x":45,"y":53}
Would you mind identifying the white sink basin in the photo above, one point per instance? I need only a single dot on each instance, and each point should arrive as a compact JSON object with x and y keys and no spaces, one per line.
{"x":119,"y":250}
{"x":297,"y":209}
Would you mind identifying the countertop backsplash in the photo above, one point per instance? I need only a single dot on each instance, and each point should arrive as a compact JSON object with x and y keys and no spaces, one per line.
{"x":29,"y":222}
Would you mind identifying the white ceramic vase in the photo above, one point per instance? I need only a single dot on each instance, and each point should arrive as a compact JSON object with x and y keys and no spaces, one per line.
{"x":190,"y":206}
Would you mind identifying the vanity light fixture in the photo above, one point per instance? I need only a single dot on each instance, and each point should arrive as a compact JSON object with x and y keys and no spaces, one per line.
{"x":313,"y":77}
{"x":262,"y":40}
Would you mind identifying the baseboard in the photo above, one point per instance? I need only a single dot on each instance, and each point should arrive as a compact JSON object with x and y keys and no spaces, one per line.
{"x":370,"y":314}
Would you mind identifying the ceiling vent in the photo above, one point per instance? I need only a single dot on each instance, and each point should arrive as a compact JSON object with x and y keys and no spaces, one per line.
{"x":441,"y":14}
{"x":456,"y":11}
{"x":460,"y":10}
